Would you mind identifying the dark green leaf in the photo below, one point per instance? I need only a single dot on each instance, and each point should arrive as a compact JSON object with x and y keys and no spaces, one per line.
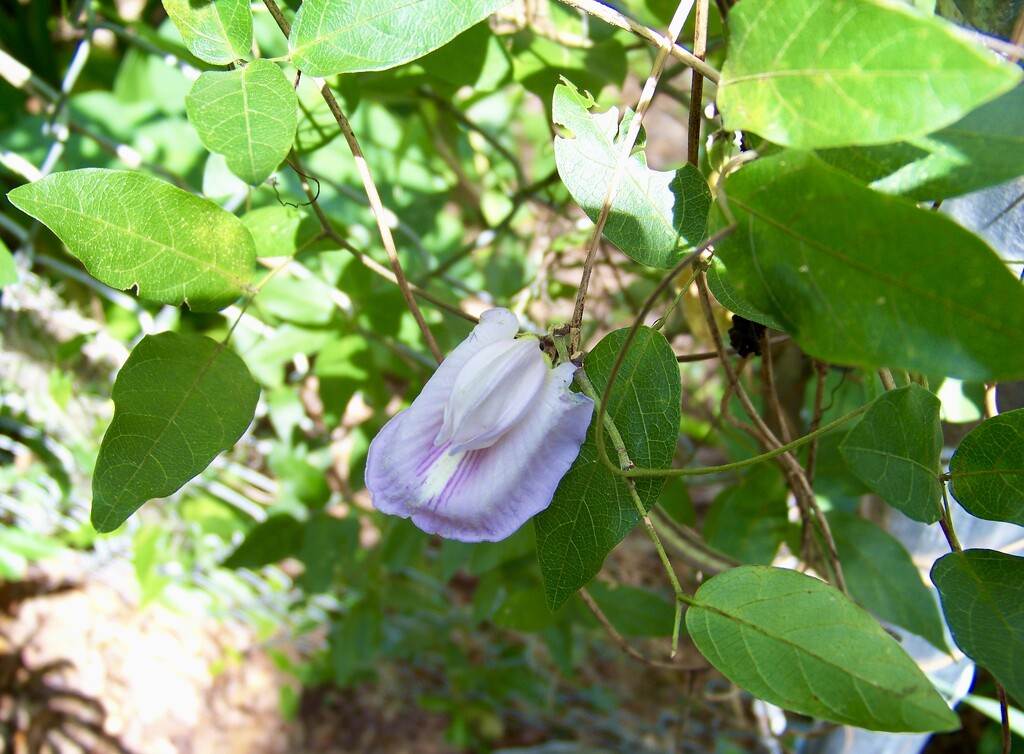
{"x":592,"y":509}
{"x":248,"y":115}
{"x":895,"y":450}
{"x":526,"y":610}
{"x":811,"y":74}
{"x":217,"y":31}
{"x":799,"y":643}
{"x":356,"y":640}
{"x":343,"y":36}
{"x":983,"y":598}
{"x":634,"y":611}
{"x":132,"y":230}
{"x":880,"y":283}
{"x":327,"y":542}
{"x":748,"y":520}
{"x":179,"y":401}
{"x":882,"y":577}
{"x":270,"y":541}
{"x":983,"y":149}
{"x":987,"y":469}
{"x":656,"y":217}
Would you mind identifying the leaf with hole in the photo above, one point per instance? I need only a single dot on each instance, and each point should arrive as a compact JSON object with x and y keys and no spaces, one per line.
{"x":881,"y":283}
{"x":802,"y":645}
{"x":592,"y":510}
{"x":344,"y":36}
{"x":987,"y":469}
{"x":829,"y":73}
{"x":131,"y":230}
{"x":982,"y":595}
{"x":248,"y":115}
{"x":895,"y":450}
{"x":179,"y":402}
{"x":217,"y":31}
{"x":656,"y":217}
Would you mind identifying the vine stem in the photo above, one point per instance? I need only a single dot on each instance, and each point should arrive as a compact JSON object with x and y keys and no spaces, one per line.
{"x":587,"y":387}
{"x":380,"y":214}
{"x":626,"y":150}
{"x":328,"y":230}
{"x":613,"y":17}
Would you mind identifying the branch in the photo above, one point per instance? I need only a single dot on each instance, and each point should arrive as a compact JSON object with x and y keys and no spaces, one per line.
{"x":613,"y":17}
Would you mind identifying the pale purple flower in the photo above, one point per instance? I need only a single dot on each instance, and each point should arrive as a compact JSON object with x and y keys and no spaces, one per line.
{"x":483,"y":447}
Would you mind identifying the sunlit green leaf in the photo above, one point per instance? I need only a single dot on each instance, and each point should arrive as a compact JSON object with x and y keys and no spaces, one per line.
{"x":895,"y":450}
{"x":983,"y":149}
{"x":882,"y":577}
{"x":343,"y":36}
{"x":248,"y":115}
{"x":280,"y":231}
{"x":800,"y":644}
{"x":987,"y":469}
{"x":880,"y":283}
{"x":983,"y":598}
{"x":592,"y":510}
{"x":179,"y":401}
{"x":132,"y":230}
{"x":217,"y":31}
{"x":8,"y":270}
{"x":815,"y":73}
{"x":656,"y":217}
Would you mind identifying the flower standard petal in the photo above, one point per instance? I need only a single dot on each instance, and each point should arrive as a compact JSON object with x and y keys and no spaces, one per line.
{"x":506,"y":445}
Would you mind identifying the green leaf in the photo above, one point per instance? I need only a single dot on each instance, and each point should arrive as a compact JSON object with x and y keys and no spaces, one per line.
{"x":633,"y":611}
{"x":132,"y":230}
{"x":982,"y":595}
{"x":268,"y":542}
{"x":280,"y":231}
{"x":592,"y":510}
{"x":983,"y":149}
{"x":725,"y":293}
{"x":248,"y":115}
{"x":656,"y":217}
{"x":882,"y":577}
{"x":748,"y":520}
{"x":8,"y":270}
{"x":179,"y":401}
{"x":987,"y":469}
{"x":343,"y":36}
{"x":811,"y":74}
{"x":881,"y":283}
{"x":217,"y":31}
{"x":895,"y":450}
{"x":800,"y":644}
{"x":525,"y":610}
{"x":327,"y":542}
